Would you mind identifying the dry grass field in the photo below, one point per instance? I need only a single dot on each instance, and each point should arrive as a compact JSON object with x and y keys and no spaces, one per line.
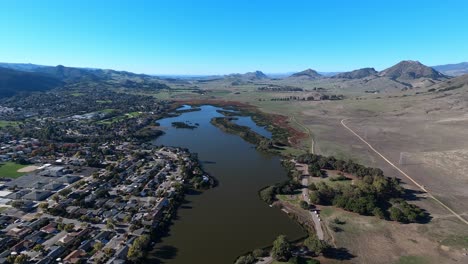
{"x":423,"y":133}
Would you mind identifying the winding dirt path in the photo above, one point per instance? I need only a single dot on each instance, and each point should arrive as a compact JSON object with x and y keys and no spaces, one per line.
{"x":404,"y":173}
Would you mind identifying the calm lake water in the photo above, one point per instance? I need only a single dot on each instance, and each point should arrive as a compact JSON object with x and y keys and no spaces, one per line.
{"x":247,"y":121}
{"x":220,"y":224}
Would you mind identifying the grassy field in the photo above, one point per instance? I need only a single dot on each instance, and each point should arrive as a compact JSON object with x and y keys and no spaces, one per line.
{"x":4,"y":123}
{"x":292,"y":199}
{"x":10,"y":170}
{"x":103,"y":101}
{"x":431,"y":128}
{"x":119,"y":118}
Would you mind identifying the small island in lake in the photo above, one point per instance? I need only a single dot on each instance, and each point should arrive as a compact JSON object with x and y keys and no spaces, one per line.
{"x":183,"y":125}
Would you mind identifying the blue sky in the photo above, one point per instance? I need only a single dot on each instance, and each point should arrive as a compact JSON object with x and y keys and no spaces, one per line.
{"x":217,"y":37}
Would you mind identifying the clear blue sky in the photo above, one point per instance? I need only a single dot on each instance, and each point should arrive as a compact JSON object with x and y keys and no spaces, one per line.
{"x":215,"y":37}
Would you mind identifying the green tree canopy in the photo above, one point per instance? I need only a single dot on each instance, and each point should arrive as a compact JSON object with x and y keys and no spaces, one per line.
{"x":281,"y":249}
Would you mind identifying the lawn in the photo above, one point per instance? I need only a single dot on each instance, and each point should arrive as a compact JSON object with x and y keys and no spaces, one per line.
{"x":103,"y":101}
{"x":10,"y":170}
{"x":293,"y":199}
{"x":4,"y":123}
{"x":119,"y":118}
{"x":107,"y":110}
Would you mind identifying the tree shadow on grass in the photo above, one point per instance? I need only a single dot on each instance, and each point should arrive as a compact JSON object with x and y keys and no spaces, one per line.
{"x":338,"y":253}
{"x":413,"y":195}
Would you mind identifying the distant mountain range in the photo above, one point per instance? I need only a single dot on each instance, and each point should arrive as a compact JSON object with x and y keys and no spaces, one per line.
{"x":24,"y":77}
{"x":404,"y":70}
{"x":20,"y":77}
{"x":256,"y":75}
{"x":453,"y":69}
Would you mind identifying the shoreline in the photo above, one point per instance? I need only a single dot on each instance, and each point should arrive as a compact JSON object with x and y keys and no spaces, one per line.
{"x":243,"y":132}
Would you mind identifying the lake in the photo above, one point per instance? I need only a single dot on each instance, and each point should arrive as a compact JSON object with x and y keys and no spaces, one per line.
{"x":222,"y":223}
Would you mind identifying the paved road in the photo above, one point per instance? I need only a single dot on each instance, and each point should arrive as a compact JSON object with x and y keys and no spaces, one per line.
{"x":315,"y":217}
{"x":318,"y":226}
{"x":305,"y":190}
{"x":404,"y":174}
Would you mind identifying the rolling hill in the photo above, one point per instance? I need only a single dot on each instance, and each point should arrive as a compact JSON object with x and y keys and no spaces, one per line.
{"x":256,"y":75}
{"x":356,"y":74}
{"x":411,"y":70}
{"x":308,"y":74}
{"x":13,"y":82}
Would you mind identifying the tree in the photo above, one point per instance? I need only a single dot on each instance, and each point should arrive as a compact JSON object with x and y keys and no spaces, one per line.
{"x":97,"y":246}
{"x":17,"y":204}
{"x":314,"y":244}
{"x":312,"y":187}
{"x":396,"y":214}
{"x":136,"y":251}
{"x":259,"y":253}
{"x":248,"y":259}
{"x":281,"y":249}
{"x":44,"y":206}
{"x":69,"y":227}
{"x":127,"y":219}
{"x":304,"y":205}
{"x":65,"y":192}
{"x":38,"y":248}
{"x":21,"y":259}
{"x":378,"y":212}
{"x":56,"y":198}
{"x":109,"y":251}
{"x":110,"y":223}
{"x":314,"y":197}
{"x":268,"y":194}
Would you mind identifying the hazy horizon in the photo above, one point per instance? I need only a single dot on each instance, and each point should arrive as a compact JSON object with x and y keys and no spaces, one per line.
{"x":216,"y":38}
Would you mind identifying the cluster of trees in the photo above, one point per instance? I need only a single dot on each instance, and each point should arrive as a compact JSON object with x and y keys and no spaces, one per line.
{"x":137,"y":250}
{"x":293,"y":98}
{"x":331,"y":163}
{"x":402,"y":211}
{"x":309,"y":98}
{"x":280,"y":89}
{"x":282,"y":249}
{"x":287,"y":187}
{"x":372,"y":194}
{"x":183,"y":125}
{"x":196,"y":176}
{"x":280,"y":134}
{"x":243,"y":131}
{"x":17,"y":259}
{"x":252,"y":258}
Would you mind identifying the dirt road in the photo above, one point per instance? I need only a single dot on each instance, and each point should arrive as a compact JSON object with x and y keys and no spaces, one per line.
{"x":404,"y":174}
